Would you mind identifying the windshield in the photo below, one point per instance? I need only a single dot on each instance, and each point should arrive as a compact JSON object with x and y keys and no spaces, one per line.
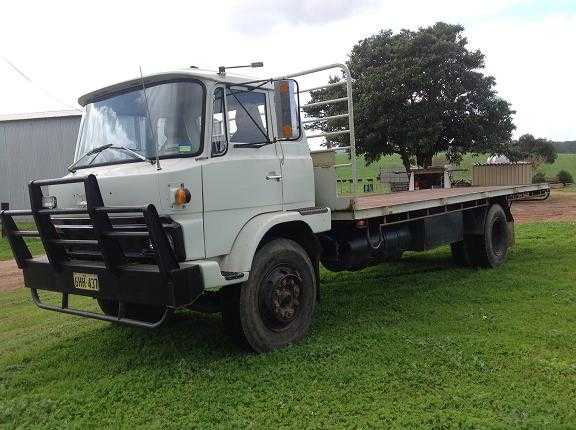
{"x":121,"y":121}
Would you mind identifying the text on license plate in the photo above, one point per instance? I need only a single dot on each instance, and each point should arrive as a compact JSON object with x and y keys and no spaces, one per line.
{"x":85,"y":281}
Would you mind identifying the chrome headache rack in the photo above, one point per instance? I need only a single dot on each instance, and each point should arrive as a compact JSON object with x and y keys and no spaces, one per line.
{"x":135,"y":255}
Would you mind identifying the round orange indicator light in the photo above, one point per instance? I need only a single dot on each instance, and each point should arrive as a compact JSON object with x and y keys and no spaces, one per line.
{"x":182,"y":195}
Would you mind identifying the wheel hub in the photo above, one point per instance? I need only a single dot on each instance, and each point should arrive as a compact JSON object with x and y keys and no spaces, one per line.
{"x":281,"y":297}
{"x":286,"y":297}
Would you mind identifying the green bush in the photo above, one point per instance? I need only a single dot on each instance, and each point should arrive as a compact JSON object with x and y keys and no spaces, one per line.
{"x":539,"y":178}
{"x":565,"y":177}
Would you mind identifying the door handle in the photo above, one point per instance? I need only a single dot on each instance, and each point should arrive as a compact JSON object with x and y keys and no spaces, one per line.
{"x":273,"y":177}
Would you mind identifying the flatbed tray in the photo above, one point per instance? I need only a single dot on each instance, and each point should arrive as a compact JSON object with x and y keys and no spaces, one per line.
{"x":377,"y":205}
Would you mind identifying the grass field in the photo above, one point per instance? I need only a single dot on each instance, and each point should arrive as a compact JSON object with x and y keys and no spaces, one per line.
{"x":417,"y":344}
{"x":34,"y":244}
{"x":564,"y":162}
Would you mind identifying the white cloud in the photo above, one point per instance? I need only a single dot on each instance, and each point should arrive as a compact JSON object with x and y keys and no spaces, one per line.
{"x":71,"y":47}
{"x":534,"y":70}
{"x":259,"y":16}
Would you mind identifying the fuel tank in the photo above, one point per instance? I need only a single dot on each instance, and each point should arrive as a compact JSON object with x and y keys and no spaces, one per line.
{"x":354,"y":248}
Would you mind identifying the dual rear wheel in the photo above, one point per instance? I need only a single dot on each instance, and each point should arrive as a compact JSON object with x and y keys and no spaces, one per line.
{"x":488,"y":249}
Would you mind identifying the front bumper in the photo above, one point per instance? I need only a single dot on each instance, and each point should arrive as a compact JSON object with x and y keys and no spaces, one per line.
{"x":121,"y":278}
{"x":140,"y":284}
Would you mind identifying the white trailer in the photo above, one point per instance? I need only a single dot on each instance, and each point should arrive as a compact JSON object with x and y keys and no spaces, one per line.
{"x":197,"y":190}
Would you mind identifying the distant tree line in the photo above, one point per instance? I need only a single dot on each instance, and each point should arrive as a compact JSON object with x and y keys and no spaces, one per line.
{"x":566,"y":147}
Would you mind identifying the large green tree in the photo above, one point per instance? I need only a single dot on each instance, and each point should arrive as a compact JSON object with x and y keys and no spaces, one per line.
{"x":419,"y":93}
{"x":532,"y":149}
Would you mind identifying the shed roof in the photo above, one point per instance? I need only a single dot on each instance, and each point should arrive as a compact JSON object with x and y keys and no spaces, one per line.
{"x":40,"y":115}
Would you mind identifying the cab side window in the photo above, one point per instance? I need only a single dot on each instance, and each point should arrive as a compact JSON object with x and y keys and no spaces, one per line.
{"x":219,"y":139}
{"x":247,"y":120}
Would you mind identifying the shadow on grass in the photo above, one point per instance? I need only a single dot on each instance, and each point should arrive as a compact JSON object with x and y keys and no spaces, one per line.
{"x":382,"y":295}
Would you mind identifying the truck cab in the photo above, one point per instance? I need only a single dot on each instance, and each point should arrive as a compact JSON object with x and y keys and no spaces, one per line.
{"x":216,"y":137}
{"x":179,"y":181}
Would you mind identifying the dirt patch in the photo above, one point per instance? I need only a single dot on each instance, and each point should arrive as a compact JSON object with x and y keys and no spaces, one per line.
{"x":10,"y":276}
{"x":560,"y":206}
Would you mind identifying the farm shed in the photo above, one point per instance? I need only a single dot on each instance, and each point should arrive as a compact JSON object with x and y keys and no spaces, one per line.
{"x":502,"y":174}
{"x":32,"y":146}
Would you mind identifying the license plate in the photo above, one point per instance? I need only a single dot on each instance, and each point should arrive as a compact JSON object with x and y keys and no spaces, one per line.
{"x":85,"y":281}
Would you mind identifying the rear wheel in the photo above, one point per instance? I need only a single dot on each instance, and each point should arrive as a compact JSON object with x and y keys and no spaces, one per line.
{"x":133,"y":311}
{"x":488,"y":249}
{"x":492,"y":246}
{"x":274,"y":307}
{"x":460,"y":254}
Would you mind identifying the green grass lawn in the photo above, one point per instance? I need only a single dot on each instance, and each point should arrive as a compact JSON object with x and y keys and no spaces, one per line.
{"x":564,"y":162}
{"x":416,"y":344}
{"x":35,"y":245}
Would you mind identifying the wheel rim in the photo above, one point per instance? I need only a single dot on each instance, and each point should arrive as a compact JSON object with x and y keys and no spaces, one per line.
{"x":499,"y":237}
{"x":281,"y":297}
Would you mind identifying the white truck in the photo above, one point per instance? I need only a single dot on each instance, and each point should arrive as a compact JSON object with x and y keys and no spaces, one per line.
{"x":198,"y":190}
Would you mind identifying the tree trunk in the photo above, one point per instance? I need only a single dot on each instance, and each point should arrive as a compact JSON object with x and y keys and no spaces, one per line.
{"x":405,"y":161}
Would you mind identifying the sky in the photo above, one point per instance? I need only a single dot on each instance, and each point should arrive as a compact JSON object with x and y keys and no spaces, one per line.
{"x":53,"y":52}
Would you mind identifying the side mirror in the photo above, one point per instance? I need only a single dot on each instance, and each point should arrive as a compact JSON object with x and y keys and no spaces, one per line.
{"x":287,"y":105}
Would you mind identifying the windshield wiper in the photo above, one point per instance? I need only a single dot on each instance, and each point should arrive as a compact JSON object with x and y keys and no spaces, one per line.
{"x":91,"y":152}
{"x":131,"y":151}
{"x":101,"y":148}
{"x":253,"y":145}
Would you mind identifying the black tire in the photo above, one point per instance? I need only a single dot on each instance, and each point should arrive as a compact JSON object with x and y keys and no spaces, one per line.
{"x":108,"y":307}
{"x":465,"y":252}
{"x":133,"y":311}
{"x":274,"y":308}
{"x":490,"y":249}
{"x":231,"y":315}
{"x":460,"y":254}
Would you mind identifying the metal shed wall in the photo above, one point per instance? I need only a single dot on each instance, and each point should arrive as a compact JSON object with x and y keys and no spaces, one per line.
{"x":502,"y":174}
{"x":32,"y":149}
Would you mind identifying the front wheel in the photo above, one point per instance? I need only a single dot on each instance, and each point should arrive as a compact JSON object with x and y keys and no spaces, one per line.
{"x":274,"y":308}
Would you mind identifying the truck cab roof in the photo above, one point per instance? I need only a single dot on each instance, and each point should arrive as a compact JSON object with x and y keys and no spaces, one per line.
{"x":191,"y":73}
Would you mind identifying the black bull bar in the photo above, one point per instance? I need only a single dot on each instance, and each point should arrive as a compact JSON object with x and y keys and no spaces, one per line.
{"x":161,"y":282}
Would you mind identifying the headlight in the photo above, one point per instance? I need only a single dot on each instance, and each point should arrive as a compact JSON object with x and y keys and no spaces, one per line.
{"x":49,"y":202}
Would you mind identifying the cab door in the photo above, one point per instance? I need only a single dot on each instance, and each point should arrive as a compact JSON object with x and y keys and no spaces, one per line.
{"x":243,"y":176}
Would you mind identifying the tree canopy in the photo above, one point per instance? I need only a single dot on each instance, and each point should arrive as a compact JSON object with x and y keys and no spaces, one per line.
{"x":535,"y":150}
{"x":419,"y":93}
